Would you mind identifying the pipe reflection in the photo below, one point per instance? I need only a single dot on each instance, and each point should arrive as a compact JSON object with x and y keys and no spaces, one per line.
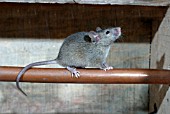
{"x":129,"y":74}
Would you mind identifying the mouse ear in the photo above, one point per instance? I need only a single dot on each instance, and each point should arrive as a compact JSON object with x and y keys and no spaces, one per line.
{"x":94,"y":36}
{"x":98,"y":29}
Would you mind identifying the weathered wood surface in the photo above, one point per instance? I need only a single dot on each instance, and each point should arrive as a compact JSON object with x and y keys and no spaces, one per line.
{"x":34,"y":32}
{"x":160,"y":59}
{"x":120,"y":2}
{"x":61,"y":20}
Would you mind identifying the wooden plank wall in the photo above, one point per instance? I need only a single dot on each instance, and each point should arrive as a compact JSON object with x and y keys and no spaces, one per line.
{"x":33,"y":32}
{"x":61,"y":20}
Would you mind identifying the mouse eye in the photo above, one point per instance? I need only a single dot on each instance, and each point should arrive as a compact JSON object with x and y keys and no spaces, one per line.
{"x":107,"y":32}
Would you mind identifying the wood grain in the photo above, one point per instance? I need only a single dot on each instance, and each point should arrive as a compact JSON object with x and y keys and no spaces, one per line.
{"x":21,"y":20}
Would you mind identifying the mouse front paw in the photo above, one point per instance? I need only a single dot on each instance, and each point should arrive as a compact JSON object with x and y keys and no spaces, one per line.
{"x":74,"y":72}
{"x":106,"y":67}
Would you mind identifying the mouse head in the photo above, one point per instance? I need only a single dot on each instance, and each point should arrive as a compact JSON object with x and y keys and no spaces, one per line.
{"x":106,"y":36}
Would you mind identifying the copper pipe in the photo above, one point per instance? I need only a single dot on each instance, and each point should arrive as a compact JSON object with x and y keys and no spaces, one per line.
{"x":115,"y":76}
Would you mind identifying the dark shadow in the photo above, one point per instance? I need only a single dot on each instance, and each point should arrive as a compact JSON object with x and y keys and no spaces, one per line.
{"x":160,"y":63}
{"x":155,"y":109}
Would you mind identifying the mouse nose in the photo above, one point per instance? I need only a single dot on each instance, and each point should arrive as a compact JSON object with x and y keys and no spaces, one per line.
{"x":117,"y":31}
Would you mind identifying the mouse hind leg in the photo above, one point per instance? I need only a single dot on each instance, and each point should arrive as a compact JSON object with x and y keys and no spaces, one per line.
{"x":74,"y":72}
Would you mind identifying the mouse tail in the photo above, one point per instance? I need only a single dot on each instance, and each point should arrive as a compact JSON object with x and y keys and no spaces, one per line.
{"x":28,"y":67}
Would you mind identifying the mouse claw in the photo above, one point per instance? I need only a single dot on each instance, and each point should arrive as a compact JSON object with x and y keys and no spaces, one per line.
{"x":74,"y":72}
{"x":108,"y":68}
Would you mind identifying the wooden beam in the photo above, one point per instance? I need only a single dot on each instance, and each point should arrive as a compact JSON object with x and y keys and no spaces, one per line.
{"x":120,"y":2}
{"x":160,"y":59}
{"x":23,"y":20}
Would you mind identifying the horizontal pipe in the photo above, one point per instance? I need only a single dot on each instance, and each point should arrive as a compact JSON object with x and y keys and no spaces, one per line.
{"x":61,"y":75}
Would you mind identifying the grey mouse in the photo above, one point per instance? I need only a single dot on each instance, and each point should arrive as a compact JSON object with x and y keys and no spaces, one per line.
{"x":81,"y":50}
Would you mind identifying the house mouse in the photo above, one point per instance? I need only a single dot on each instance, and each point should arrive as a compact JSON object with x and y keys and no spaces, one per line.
{"x":81,"y":50}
